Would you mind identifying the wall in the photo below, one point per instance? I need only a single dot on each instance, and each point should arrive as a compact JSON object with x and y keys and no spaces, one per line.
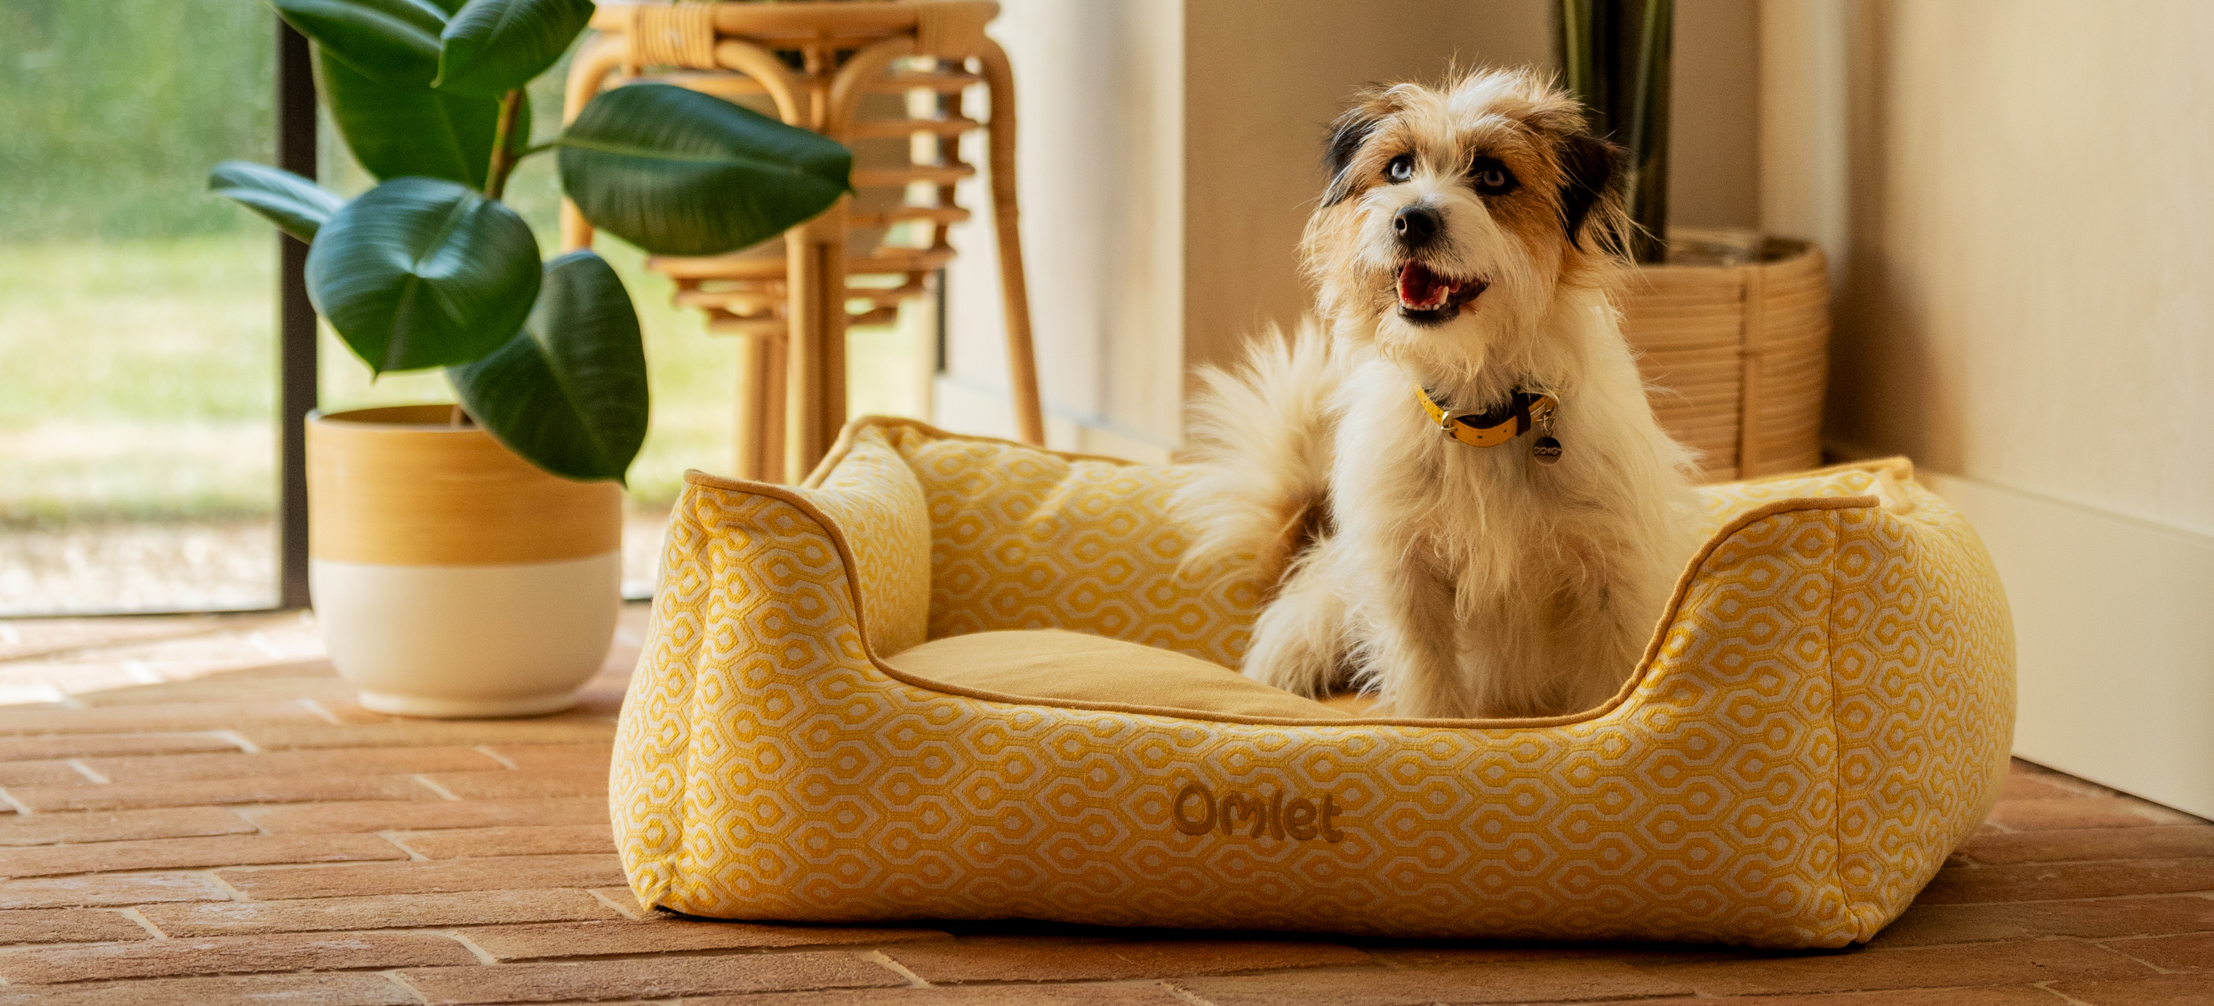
{"x":2014,"y":192}
{"x":1170,"y":155}
{"x":1099,"y":152}
{"x":2032,"y":236}
{"x":1714,"y":167}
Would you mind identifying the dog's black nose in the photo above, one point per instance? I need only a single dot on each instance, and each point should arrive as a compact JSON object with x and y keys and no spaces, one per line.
{"x":1415,"y":225}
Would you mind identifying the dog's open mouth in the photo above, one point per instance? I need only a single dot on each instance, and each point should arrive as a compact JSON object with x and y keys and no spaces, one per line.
{"x":1428,"y":298}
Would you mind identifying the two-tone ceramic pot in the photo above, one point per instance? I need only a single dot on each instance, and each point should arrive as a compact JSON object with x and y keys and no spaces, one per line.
{"x":451,"y":578}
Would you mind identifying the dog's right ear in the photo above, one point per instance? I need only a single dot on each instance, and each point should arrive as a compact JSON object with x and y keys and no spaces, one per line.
{"x":1346,"y":136}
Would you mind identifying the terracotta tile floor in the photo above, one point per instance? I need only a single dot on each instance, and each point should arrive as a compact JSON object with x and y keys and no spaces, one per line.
{"x":201,"y":814}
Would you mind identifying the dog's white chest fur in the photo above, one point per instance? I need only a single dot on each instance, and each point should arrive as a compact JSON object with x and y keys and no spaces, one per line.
{"x":1528,"y":588}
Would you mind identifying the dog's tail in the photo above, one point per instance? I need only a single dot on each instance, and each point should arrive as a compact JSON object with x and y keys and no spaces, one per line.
{"x":1260,"y":436}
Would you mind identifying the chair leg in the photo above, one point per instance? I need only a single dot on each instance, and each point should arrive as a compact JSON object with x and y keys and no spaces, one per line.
{"x":773,"y":352}
{"x":815,"y":361}
{"x":1022,"y":362}
{"x":588,"y":72}
{"x":760,"y":428}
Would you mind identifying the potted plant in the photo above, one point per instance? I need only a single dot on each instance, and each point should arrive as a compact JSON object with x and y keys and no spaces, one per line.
{"x":465,"y":561}
{"x":1733,"y":328}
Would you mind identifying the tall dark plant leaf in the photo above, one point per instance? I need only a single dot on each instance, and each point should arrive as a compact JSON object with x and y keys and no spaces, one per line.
{"x":393,"y":42}
{"x":297,"y":206}
{"x":682,"y":173}
{"x":400,"y":131}
{"x":420,"y":272}
{"x":1616,"y":55}
{"x":568,"y":393}
{"x":494,"y":46}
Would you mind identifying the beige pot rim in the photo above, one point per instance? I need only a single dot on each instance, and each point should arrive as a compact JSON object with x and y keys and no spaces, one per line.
{"x":425,"y":418}
{"x":1782,"y":249}
{"x":1775,"y":252}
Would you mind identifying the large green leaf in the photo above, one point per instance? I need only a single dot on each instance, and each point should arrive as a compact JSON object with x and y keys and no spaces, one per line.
{"x":682,"y":173}
{"x":394,"y":42}
{"x":420,"y":272}
{"x":398,"y":131}
{"x":297,"y":206}
{"x":494,"y":46}
{"x":568,"y":392}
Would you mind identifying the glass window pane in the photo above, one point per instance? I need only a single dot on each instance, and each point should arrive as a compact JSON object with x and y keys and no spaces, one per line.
{"x":137,"y":312}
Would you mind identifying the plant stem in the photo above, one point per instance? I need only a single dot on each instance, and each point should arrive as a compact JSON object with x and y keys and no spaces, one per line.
{"x":503,"y":159}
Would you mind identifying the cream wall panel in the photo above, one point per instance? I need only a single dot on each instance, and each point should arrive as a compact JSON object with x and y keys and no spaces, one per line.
{"x":1099,"y":88}
{"x":1714,"y":115}
{"x":2027,"y":295}
{"x":1805,"y":191}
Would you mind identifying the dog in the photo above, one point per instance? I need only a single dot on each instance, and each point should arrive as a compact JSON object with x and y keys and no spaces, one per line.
{"x":1452,"y":480}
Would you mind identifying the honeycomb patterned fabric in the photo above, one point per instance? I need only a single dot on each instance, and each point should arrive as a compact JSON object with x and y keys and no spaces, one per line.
{"x":1824,"y":712}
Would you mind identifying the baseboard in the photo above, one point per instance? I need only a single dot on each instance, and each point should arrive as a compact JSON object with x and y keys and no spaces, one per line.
{"x":964,"y":407}
{"x":2114,"y":627}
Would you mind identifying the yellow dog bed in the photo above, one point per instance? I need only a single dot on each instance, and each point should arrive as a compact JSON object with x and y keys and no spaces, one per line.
{"x":1825,"y":711}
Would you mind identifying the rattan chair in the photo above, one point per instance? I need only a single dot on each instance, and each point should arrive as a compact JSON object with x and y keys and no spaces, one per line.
{"x":817,"y":62}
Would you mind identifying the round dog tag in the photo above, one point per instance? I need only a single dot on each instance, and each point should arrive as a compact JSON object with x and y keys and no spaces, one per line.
{"x":1546,"y":450}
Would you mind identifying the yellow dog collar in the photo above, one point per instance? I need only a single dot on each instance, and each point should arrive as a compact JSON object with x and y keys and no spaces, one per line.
{"x":1509,"y":420}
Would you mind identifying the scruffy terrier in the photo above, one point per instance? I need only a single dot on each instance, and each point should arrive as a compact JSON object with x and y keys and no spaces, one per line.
{"x":1453,"y":481}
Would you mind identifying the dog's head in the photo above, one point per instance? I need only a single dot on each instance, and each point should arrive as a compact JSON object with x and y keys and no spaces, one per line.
{"x":1452,"y":216}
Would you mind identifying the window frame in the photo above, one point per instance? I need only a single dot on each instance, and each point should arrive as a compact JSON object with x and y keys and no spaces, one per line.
{"x":297,"y":377}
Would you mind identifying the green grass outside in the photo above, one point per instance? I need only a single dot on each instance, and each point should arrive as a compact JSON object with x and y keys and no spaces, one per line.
{"x":140,"y":380}
{"x":139,"y":377}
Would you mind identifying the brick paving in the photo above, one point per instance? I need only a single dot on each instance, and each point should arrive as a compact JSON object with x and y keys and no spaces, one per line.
{"x":198,"y":812}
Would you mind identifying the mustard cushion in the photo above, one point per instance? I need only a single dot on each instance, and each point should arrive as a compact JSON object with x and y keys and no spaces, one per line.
{"x":1825,"y":710}
{"x":1049,"y":664}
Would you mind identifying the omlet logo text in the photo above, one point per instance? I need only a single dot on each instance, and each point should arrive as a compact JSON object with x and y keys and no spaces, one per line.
{"x":1197,"y":812}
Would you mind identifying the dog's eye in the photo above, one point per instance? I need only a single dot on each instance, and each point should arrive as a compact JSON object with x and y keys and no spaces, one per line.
{"x":1491,"y":177}
{"x":1400,"y":169}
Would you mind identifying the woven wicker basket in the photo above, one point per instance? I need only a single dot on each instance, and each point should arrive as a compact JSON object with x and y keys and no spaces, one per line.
{"x":1738,"y":356}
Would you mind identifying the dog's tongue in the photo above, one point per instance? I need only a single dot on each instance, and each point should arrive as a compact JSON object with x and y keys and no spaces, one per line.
{"x":1423,"y":290}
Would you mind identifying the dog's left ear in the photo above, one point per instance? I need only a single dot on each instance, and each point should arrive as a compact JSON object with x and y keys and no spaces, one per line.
{"x":1588,"y":166}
